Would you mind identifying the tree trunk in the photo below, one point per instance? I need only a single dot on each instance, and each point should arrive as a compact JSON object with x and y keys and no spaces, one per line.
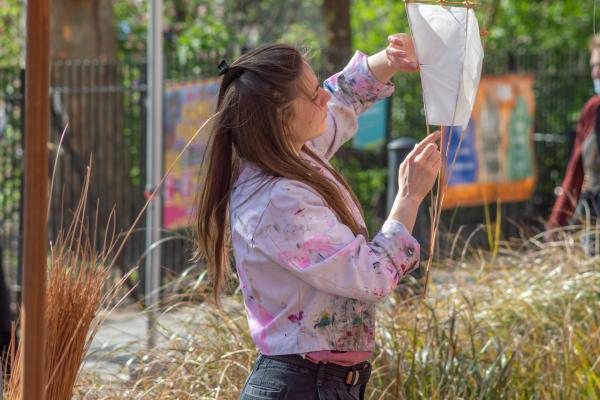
{"x":83,"y":30}
{"x":88,"y":94}
{"x":336,"y":14}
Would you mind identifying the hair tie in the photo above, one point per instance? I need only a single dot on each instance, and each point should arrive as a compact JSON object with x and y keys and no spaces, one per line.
{"x":223,"y":67}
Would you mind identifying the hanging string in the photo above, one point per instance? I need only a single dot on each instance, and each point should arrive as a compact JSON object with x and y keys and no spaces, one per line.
{"x":445,"y":174}
{"x":437,"y":198}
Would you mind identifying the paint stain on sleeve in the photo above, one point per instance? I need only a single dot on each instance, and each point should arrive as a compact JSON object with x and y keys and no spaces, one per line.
{"x":295,"y":319}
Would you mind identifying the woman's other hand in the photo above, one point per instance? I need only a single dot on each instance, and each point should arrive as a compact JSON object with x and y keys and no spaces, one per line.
{"x":416,"y":177}
{"x":418,"y":171}
{"x":399,"y":55}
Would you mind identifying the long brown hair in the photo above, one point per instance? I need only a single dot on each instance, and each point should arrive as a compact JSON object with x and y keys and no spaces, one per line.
{"x":252,"y":123}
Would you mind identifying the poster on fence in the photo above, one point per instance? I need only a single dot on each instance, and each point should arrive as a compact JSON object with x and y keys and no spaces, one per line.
{"x":495,"y":159}
{"x":373,"y":126}
{"x":186,"y":107}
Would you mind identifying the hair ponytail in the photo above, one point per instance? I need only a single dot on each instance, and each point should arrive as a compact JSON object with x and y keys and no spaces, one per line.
{"x":212,"y":219}
{"x":254,"y":107}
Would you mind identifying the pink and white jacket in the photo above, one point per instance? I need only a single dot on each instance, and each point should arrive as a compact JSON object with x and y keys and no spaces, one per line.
{"x":309,"y":283}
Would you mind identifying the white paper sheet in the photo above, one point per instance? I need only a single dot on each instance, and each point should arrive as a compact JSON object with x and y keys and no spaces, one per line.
{"x":450,"y":57}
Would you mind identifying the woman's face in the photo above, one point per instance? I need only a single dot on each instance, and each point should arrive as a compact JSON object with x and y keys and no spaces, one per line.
{"x":309,"y":109}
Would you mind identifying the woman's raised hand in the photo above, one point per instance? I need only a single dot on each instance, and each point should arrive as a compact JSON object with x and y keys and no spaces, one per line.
{"x":418,"y":171}
{"x":401,"y":53}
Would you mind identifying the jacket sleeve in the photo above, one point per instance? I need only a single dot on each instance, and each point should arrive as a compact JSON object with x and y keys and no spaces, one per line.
{"x":570,"y":190}
{"x":301,"y":234}
{"x":353,"y":90}
{"x":572,"y":183}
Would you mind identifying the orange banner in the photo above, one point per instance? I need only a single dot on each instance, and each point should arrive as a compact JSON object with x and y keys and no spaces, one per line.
{"x":495,"y":159}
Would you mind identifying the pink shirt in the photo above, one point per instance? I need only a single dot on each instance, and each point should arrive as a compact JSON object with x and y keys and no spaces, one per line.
{"x":310,"y":285}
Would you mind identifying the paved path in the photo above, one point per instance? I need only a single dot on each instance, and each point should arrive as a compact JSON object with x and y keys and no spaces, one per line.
{"x":123,"y":334}
{"x":120,"y":339}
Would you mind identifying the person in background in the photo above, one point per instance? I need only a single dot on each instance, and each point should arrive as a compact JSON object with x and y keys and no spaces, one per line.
{"x":579,"y":199}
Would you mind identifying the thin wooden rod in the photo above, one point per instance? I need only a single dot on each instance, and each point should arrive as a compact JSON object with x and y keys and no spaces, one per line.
{"x":467,"y":3}
{"x":35,"y":246}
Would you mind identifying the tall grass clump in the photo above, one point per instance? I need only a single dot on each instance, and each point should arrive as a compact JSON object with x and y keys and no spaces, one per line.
{"x":525,"y":325}
{"x":520,"y":321}
{"x":79,"y":284}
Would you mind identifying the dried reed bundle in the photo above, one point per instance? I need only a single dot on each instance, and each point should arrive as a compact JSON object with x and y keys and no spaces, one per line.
{"x":518,"y":323}
{"x":78,"y":274}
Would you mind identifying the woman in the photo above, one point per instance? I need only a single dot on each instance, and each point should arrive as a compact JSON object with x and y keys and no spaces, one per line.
{"x":309,"y":274}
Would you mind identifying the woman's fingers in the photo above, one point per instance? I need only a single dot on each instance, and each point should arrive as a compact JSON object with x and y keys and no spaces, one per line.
{"x":424,"y":155}
{"x":403,"y":64}
{"x":392,"y":52}
{"x":434,"y":155}
{"x":398,"y":39}
{"x":436,"y":165}
{"x":401,"y":53}
{"x":422,"y":145}
{"x":418,"y":172}
{"x":431,"y":138}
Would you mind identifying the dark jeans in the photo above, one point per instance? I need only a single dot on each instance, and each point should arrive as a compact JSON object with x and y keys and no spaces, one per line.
{"x":301,"y":380}
{"x":588,"y":205}
{"x":588,"y":210}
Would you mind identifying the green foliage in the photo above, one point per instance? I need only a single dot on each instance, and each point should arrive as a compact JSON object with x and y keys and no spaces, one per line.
{"x":131,"y":19}
{"x":11,"y":35}
{"x":542,"y":24}
{"x":369,"y":184}
{"x":195,"y":28}
{"x":373,"y":20}
{"x":512,"y":24}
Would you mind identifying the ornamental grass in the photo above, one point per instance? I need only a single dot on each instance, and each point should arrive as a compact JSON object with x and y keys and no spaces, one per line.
{"x":79,"y":284}
{"x":520,"y":321}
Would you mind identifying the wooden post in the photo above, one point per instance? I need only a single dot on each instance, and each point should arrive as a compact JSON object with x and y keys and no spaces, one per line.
{"x":35,"y":246}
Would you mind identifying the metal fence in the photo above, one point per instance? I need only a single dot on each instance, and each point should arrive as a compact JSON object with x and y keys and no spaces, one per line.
{"x":11,"y":172}
{"x":102,"y":107}
{"x":104,"y":104}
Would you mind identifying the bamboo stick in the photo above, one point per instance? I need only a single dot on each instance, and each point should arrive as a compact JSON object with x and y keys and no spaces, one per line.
{"x":466,"y":3}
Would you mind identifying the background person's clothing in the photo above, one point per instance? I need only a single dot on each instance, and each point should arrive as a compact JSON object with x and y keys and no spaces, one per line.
{"x":573,"y":181}
{"x":591,"y":163}
{"x":309,"y":283}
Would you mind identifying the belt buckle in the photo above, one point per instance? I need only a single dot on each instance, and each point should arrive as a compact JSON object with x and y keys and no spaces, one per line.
{"x":352,"y":377}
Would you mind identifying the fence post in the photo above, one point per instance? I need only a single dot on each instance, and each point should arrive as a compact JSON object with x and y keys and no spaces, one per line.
{"x":19,"y":293}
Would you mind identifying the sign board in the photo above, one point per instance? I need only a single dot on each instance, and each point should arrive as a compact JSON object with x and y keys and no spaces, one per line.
{"x":186,"y":107}
{"x":373,"y":126}
{"x":495,"y":160}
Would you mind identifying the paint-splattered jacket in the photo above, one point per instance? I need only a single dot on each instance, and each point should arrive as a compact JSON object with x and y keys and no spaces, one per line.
{"x":309,"y":283}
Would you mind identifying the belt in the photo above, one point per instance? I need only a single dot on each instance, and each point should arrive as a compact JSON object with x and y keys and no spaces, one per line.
{"x":358,"y":374}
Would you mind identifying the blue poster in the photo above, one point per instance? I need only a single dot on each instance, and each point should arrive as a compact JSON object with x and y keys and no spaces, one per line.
{"x":466,"y":165}
{"x":372,"y":126}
